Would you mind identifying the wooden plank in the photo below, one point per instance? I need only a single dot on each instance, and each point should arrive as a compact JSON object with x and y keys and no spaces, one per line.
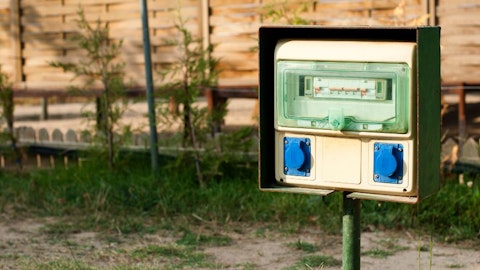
{"x":65,"y":79}
{"x":234,"y":18}
{"x":232,"y":9}
{"x":44,"y":44}
{"x":452,"y":5}
{"x":449,"y":49}
{"x":219,"y":3}
{"x":462,"y":60}
{"x":171,"y":5}
{"x":4,"y":5}
{"x":246,"y":75}
{"x":459,"y":76}
{"x":235,"y":29}
{"x":216,"y":39}
{"x":238,"y":65}
{"x":124,"y":6}
{"x":45,"y":21}
{"x":457,"y":9}
{"x":16,"y":45}
{"x":460,"y":19}
{"x":47,"y":28}
{"x":461,"y":39}
{"x":449,"y":30}
{"x":93,"y":2}
{"x":236,"y":46}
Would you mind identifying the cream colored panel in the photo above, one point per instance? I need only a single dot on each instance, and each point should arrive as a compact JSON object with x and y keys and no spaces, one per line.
{"x":341,"y":160}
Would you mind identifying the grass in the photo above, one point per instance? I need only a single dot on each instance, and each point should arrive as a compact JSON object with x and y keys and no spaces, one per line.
{"x":175,"y":256}
{"x":304,"y":246}
{"x":385,"y":248}
{"x":193,"y":239}
{"x":122,"y":200}
{"x":315,"y":262}
{"x":378,"y":253}
{"x":455,"y":266}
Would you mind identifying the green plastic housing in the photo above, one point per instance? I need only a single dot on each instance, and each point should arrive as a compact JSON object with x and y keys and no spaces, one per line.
{"x":347,"y":96}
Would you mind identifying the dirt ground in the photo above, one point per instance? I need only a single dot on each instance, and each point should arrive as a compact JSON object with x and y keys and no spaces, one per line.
{"x":25,"y":243}
{"x":26,"y":240}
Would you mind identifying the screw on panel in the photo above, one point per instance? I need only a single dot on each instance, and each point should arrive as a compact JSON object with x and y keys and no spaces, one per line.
{"x":400,"y":149}
{"x":286,"y":168}
{"x":307,"y":143}
{"x":377,"y":148}
{"x":285,"y":142}
{"x":376,"y":176}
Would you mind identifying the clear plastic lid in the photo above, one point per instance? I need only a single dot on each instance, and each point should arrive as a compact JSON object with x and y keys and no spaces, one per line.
{"x":348,"y":96}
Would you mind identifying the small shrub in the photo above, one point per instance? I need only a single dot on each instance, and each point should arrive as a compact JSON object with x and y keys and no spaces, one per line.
{"x":7,"y":135}
{"x":101,"y":65}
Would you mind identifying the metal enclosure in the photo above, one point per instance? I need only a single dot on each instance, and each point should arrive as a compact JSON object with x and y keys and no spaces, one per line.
{"x":350,"y":134}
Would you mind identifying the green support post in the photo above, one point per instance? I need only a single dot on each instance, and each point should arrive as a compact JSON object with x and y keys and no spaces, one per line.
{"x":149,"y":89}
{"x":351,"y":233}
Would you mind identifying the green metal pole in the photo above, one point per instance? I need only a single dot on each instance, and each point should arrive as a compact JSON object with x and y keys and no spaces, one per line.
{"x":351,"y":233}
{"x":149,"y":89}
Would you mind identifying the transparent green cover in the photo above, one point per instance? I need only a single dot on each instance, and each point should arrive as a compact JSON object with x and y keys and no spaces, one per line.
{"x":346,"y":96}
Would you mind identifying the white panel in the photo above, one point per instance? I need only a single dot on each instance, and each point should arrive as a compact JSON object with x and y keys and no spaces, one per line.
{"x":341,"y":160}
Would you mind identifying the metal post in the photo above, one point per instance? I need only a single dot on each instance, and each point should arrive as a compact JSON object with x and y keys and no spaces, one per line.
{"x":44,"y":114}
{"x":149,"y":88}
{"x":351,"y":233}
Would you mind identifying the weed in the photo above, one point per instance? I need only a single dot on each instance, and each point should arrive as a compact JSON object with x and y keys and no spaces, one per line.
{"x":378,"y":253}
{"x":304,"y":246}
{"x":175,"y":256}
{"x":159,"y":251}
{"x":455,"y":265}
{"x":391,"y":244}
{"x":61,"y":264}
{"x":315,"y":261}
{"x":192,"y":239}
{"x":386,"y":247}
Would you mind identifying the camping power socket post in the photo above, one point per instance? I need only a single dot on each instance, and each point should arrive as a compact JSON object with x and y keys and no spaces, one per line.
{"x":350,"y":109}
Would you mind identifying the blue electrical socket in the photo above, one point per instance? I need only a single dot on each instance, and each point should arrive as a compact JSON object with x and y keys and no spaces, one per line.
{"x":388,"y":163}
{"x":296,"y":156}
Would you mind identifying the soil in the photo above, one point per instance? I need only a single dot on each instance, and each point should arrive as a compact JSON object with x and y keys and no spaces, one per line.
{"x":27,"y":243}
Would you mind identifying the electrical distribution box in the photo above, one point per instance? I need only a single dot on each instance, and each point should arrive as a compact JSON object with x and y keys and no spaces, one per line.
{"x":350,"y":109}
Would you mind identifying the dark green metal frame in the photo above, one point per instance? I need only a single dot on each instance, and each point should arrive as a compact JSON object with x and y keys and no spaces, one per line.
{"x":427,"y":100}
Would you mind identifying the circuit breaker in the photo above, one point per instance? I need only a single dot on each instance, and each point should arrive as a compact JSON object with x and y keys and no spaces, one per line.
{"x":345,"y":113}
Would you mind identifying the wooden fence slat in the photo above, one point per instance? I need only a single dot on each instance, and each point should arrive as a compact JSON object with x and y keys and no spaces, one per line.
{"x":43,"y":135}
{"x":71,"y":136}
{"x":57,"y":135}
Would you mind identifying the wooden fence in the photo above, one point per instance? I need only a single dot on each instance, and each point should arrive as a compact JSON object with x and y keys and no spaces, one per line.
{"x":36,"y":32}
{"x":460,"y":21}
